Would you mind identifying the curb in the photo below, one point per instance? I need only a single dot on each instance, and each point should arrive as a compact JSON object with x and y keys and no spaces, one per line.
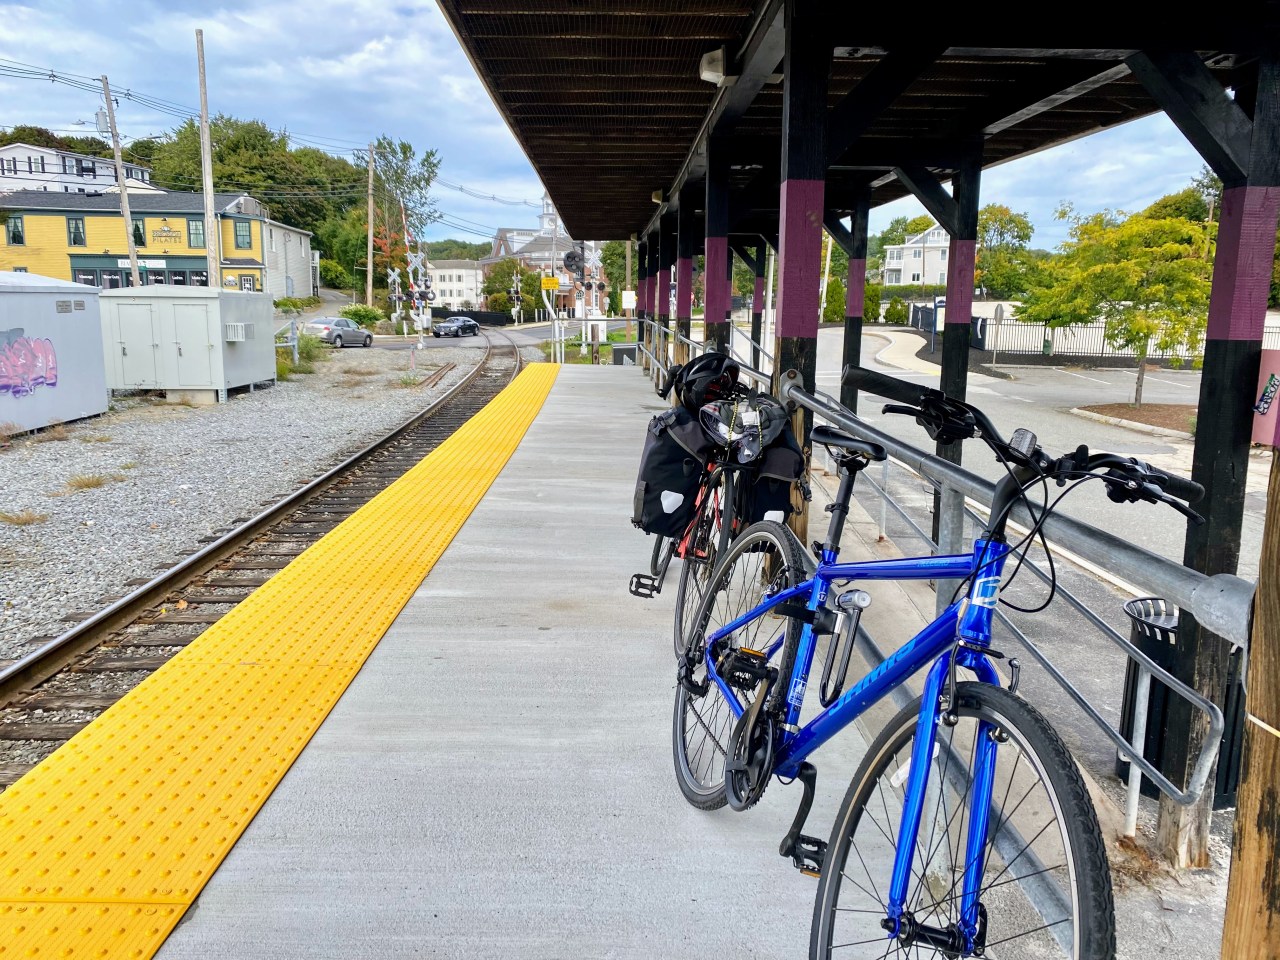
{"x":1133,"y":425}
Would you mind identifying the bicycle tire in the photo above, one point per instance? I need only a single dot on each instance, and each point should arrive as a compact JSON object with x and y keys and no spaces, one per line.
{"x":1025,"y":898}
{"x":703,"y":544}
{"x":763,"y":557}
{"x":663,"y":549}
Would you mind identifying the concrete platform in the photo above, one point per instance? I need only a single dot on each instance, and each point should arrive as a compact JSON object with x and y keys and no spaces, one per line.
{"x":497,"y":781}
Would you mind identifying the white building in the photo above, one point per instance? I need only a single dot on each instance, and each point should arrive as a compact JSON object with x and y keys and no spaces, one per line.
{"x":922,"y":259}
{"x":26,"y":167}
{"x":458,"y":284}
{"x":289,"y":261}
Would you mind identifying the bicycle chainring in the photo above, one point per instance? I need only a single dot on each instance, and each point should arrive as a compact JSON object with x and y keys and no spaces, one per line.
{"x":749,"y":754}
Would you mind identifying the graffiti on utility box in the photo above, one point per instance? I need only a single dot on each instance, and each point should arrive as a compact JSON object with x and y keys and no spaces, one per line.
{"x":26,"y":363}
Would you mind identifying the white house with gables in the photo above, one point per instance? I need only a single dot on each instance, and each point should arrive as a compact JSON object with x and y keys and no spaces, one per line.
{"x":922,"y":259}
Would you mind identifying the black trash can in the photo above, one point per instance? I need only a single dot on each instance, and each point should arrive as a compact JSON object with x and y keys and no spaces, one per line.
{"x":1155,"y":632}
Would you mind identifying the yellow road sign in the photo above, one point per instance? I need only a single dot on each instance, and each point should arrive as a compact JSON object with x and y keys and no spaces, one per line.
{"x":550,"y":283}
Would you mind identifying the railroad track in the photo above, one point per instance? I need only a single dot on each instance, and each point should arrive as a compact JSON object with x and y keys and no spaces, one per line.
{"x":50,"y":694}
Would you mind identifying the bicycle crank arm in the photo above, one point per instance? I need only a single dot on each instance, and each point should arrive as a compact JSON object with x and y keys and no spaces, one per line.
{"x":807,"y":853}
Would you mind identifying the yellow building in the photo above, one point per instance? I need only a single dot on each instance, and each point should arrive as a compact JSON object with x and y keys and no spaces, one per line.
{"x":81,"y":237}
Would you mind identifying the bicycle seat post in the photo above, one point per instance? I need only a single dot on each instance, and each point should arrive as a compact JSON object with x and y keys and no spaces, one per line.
{"x":847,"y":467}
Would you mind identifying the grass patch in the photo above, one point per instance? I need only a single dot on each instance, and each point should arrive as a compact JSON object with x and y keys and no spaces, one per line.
{"x":409,"y":380}
{"x":95,"y":438}
{"x":357,"y":372}
{"x":284,"y":368}
{"x":304,"y":366}
{"x":55,"y":433}
{"x":23,"y":518}
{"x":9,"y":430}
{"x":129,"y":466}
{"x":91,"y":481}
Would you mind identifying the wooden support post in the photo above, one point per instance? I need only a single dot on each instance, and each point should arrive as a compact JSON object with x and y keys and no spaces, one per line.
{"x":686,"y":245}
{"x":1220,"y":462}
{"x":805,"y":74}
{"x":854,"y":243}
{"x":719,"y":262}
{"x":666,"y":260}
{"x":1252,"y":927}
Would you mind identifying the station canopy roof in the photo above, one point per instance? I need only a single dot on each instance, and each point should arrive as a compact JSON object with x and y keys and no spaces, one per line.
{"x":607,"y":99}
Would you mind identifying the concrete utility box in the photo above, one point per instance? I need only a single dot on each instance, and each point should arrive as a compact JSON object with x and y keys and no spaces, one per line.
{"x":195,"y":343}
{"x":51,"y":368}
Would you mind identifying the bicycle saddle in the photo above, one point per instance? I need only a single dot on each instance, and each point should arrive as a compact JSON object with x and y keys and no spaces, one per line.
{"x":830,"y":437}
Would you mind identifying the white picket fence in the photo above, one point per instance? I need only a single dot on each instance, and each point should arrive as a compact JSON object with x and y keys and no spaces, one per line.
{"x":1083,"y":340}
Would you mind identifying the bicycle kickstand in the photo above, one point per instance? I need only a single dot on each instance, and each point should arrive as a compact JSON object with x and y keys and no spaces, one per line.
{"x":807,"y":853}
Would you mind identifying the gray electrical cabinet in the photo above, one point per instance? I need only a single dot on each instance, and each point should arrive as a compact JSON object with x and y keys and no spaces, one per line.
{"x":195,"y":343}
{"x":51,"y":367}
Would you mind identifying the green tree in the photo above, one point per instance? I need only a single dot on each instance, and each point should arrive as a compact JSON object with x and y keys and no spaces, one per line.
{"x":450,"y":249}
{"x":36,"y":136}
{"x":1000,"y":267}
{"x":613,"y":261}
{"x":1187,"y":204}
{"x":501,"y":278}
{"x":1148,"y":280}
{"x":833,"y":305}
{"x":897,"y":313}
{"x":407,"y":178}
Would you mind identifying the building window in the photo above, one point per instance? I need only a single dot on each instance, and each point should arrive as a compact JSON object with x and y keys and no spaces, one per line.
{"x":244,"y":239}
{"x":42,"y":165}
{"x":895,"y":255}
{"x":942,"y":255}
{"x":915,"y":254}
{"x":195,"y":233}
{"x":19,"y":269}
{"x":199,"y":278}
{"x":111,"y":280}
{"x":14,"y":232}
{"x":915,"y":278}
{"x":942,"y":277}
{"x":89,"y":277}
{"x":75,"y":232}
{"x":139,"y":232}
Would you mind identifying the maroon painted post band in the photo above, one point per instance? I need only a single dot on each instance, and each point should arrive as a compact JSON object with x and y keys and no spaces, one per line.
{"x":717,"y":280}
{"x":1238,"y":302}
{"x":960,"y":265}
{"x":799,"y":257}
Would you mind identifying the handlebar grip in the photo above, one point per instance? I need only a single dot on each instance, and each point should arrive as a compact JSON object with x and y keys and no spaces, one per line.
{"x":1182,"y":488}
{"x":861,"y":378}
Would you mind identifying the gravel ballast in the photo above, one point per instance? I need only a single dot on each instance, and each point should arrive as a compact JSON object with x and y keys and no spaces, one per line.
{"x":170,"y":474}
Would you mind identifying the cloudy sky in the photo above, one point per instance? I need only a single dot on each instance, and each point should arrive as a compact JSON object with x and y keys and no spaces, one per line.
{"x":338,"y":73}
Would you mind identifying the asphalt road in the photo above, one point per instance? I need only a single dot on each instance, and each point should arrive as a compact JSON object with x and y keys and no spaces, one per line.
{"x":1040,"y":399}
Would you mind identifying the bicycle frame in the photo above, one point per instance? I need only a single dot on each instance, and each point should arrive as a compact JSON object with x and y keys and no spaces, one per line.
{"x":964,"y":629}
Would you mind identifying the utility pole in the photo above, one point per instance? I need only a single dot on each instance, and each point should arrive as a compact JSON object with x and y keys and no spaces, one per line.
{"x":1252,"y":927}
{"x":124,"y":194}
{"x":368,"y":270}
{"x":212,"y":235}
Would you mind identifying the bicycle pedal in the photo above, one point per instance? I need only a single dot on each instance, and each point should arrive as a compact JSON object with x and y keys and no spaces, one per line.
{"x":644,"y":586}
{"x":808,"y":855}
{"x":743,"y":669}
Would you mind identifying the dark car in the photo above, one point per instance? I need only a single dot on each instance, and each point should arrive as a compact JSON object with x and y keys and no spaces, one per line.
{"x":455,"y":327}
{"x":338,"y":331}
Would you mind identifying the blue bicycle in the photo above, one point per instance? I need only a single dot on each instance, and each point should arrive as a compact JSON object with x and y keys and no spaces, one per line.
{"x":967,"y":830}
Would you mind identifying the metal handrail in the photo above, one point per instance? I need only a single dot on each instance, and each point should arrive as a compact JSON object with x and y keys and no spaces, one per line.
{"x":1222,"y":603}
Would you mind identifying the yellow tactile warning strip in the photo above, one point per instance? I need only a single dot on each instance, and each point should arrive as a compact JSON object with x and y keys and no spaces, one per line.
{"x":106,"y":843}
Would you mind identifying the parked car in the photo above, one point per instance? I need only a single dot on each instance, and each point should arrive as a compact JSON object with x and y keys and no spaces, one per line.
{"x":455,"y":327}
{"x":338,"y":331}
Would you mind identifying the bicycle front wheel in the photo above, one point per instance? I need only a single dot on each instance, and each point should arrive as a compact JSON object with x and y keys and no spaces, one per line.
{"x":704,"y":543}
{"x":764,"y":559}
{"x":1045,"y":888}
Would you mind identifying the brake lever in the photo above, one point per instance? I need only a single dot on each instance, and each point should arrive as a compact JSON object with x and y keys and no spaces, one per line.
{"x":901,"y":408}
{"x":1181,"y":507}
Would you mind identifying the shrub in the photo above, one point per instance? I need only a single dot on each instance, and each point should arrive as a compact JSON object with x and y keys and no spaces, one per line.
{"x":365,"y":316}
{"x":284,"y":366}
{"x":896,"y":313}
{"x":310,"y":349}
{"x":296,"y":304}
{"x":334,"y":275}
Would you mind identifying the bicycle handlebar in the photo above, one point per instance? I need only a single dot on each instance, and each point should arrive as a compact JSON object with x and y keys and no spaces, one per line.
{"x":948,"y":419}
{"x":861,"y":378}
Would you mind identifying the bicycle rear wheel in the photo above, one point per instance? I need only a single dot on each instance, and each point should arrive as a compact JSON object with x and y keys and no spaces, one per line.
{"x":764,"y":559}
{"x":1045,"y":890}
{"x":664,"y":549}
{"x":703,"y":544}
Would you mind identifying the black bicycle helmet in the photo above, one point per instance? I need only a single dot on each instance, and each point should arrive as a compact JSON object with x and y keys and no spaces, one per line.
{"x":706,"y":378}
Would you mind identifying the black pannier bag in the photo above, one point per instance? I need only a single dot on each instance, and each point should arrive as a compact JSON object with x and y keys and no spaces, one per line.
{"x":768,"y":493}
{"x":674,"y":458}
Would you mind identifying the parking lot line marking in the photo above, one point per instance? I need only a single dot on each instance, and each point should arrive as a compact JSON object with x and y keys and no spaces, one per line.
{"x":1083,"y":377}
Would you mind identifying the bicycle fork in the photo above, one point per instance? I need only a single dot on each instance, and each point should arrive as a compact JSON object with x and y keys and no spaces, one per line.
{"x":968,"y":934}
